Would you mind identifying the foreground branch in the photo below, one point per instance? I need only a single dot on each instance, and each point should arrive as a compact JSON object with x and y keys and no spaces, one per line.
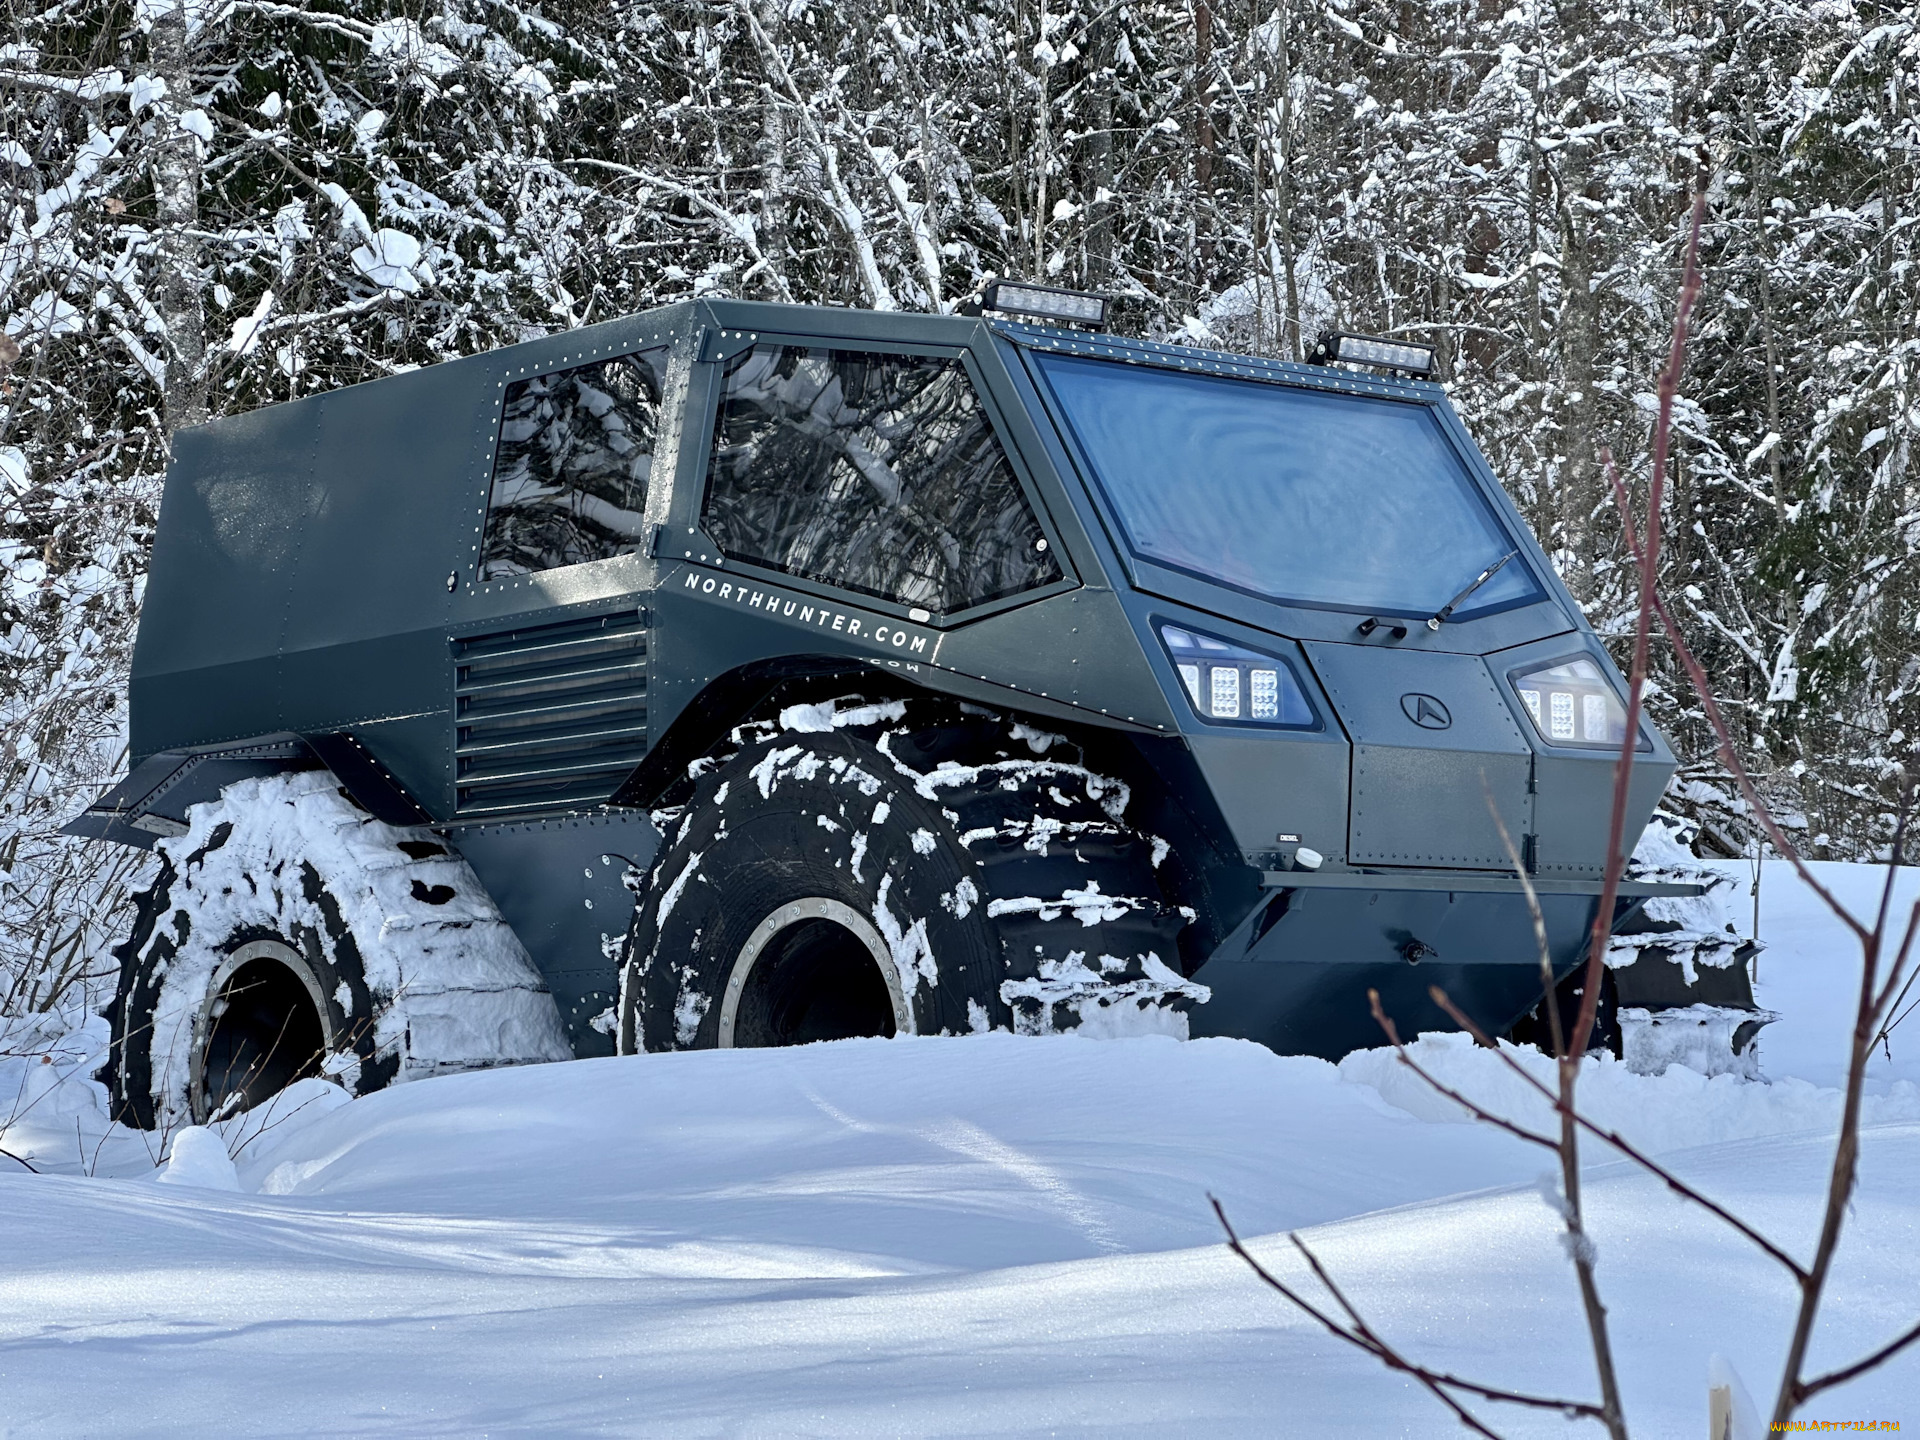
{"x":1362,"y":1337}
{"x":1612,"y":1137}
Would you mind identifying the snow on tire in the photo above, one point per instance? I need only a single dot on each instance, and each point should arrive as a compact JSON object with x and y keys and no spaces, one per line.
{"x":1680,"y":966}
{"x":389,"y":936}
{"x":938,"y":861}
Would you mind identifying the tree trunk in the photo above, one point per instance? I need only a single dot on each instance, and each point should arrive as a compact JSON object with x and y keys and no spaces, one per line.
{"x":1100,"y":155}
{"x":1043,"y":150}
{"x":1203,"y":138}
{"x":1579,"y":315}
{"x":176,"y":192}
{"x":1284,"y":194}
{"x":773,"y":193}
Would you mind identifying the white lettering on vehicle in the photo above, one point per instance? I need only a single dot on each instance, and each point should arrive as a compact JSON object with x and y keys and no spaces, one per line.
{"x":894,"y":636}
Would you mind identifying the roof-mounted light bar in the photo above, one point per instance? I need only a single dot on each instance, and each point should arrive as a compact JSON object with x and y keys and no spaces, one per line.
{"x":1337,"y":347}
{"x":1045,"y":302}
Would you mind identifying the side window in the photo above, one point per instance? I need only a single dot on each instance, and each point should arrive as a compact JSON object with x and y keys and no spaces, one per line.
{"x":876,"y":473}
{"x":570,"y":474}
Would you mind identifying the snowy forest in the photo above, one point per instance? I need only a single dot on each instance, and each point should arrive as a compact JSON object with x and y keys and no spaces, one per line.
{"x":211,"y":205}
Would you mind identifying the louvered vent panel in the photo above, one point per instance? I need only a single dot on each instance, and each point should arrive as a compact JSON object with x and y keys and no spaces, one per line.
{"x":551,"y":717}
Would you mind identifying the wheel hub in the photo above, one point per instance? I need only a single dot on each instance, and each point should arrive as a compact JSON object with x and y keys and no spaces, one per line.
{"x":265,"y":1024}
{"x":815,"y":969}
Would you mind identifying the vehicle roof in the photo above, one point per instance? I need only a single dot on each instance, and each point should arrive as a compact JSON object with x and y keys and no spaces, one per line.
{"x":780,"y":318}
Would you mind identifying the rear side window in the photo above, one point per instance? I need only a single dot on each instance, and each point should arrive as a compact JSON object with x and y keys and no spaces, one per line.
{"x":571,"y":470}
{"x":876,"y":473}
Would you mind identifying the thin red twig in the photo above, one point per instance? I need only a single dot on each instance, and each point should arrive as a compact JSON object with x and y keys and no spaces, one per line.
{"x":1477,"y":1111}
{"x":1871,"y":940}
{"x":1653,"y":1167}
{"x":1555,"y":1030}
{"x":1808,"y":1388}
{"x":1649,"y":556}
{"x":1723,"y":735}
{"x":1362,"y":1337}
{"x":1572,"y":1408}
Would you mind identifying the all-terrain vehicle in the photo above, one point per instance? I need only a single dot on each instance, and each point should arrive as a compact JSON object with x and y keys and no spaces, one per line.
{"x":748,"y":674}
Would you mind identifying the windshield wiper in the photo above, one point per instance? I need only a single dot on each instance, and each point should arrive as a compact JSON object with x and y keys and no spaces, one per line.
{"x":1441,"y":616}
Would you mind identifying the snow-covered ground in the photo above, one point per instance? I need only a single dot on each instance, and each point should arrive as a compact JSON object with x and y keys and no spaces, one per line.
{"x":993,"y":1235}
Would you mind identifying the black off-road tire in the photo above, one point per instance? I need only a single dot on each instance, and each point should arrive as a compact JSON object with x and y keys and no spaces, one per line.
{"x":337,"y":943}
{"x":996,"y":872}
{"x":1536,"y":1026}
{"x":141,"y":1016}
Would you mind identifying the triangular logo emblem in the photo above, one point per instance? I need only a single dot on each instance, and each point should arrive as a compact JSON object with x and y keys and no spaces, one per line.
{"x":1426,"y":711}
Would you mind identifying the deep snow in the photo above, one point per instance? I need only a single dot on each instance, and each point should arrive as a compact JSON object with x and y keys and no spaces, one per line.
{"x":988,"y":1235}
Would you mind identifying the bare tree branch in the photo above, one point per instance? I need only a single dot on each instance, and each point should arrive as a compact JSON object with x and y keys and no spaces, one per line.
{"x":1362,"y":1337}
{"x":1571,"y":1408}
{"x":1646,"y":1162}
{"x":1729,"y":757}
{"x":1479,"y":1112}
{"x":1806,"y":1389}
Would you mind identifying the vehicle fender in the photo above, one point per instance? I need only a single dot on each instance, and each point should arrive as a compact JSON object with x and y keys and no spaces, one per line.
{"x":154,"y":798}
{"x":732,"y":698}
{"x":701,"y":726}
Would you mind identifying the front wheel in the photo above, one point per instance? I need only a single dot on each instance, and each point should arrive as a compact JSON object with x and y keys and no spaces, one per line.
{"x":863,"y":870}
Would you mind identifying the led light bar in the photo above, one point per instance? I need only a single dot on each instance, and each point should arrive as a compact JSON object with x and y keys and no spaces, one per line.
{"x":1339,"y":348}
{"x":1044,"y":302}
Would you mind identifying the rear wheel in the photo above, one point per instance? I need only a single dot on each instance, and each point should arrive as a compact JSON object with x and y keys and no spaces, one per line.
{"x":870,"y":870}
{"x":290,"y":934}
{"x":266,"y":1025}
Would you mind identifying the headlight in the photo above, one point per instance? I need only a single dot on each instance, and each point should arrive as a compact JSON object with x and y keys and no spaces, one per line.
{"x":1228,"y":682}
{"x":1571,"y":702}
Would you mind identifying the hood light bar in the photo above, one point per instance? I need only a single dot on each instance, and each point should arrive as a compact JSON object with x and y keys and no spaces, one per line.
{"x":1337,"y":347}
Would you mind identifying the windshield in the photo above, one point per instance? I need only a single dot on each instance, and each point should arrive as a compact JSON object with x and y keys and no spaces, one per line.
{"x":1300,"y":495}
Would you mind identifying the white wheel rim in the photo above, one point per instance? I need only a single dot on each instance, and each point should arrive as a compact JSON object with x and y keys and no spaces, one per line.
{"x":816,"y":908}
{"x":277,"y":950}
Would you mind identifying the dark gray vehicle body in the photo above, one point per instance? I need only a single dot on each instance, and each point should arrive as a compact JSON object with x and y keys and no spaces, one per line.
{"x":316,"y":598}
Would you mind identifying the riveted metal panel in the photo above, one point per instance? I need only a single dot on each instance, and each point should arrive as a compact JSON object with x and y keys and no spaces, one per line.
{"x":558,"y":883}
{"x":216,"y":596}
{"x":1421,"y":787}
{"x":384,"y":517}
{"x":1290,"y":784}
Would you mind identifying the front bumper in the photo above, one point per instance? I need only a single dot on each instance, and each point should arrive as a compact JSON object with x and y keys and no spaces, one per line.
{"x":1295,"y":975}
